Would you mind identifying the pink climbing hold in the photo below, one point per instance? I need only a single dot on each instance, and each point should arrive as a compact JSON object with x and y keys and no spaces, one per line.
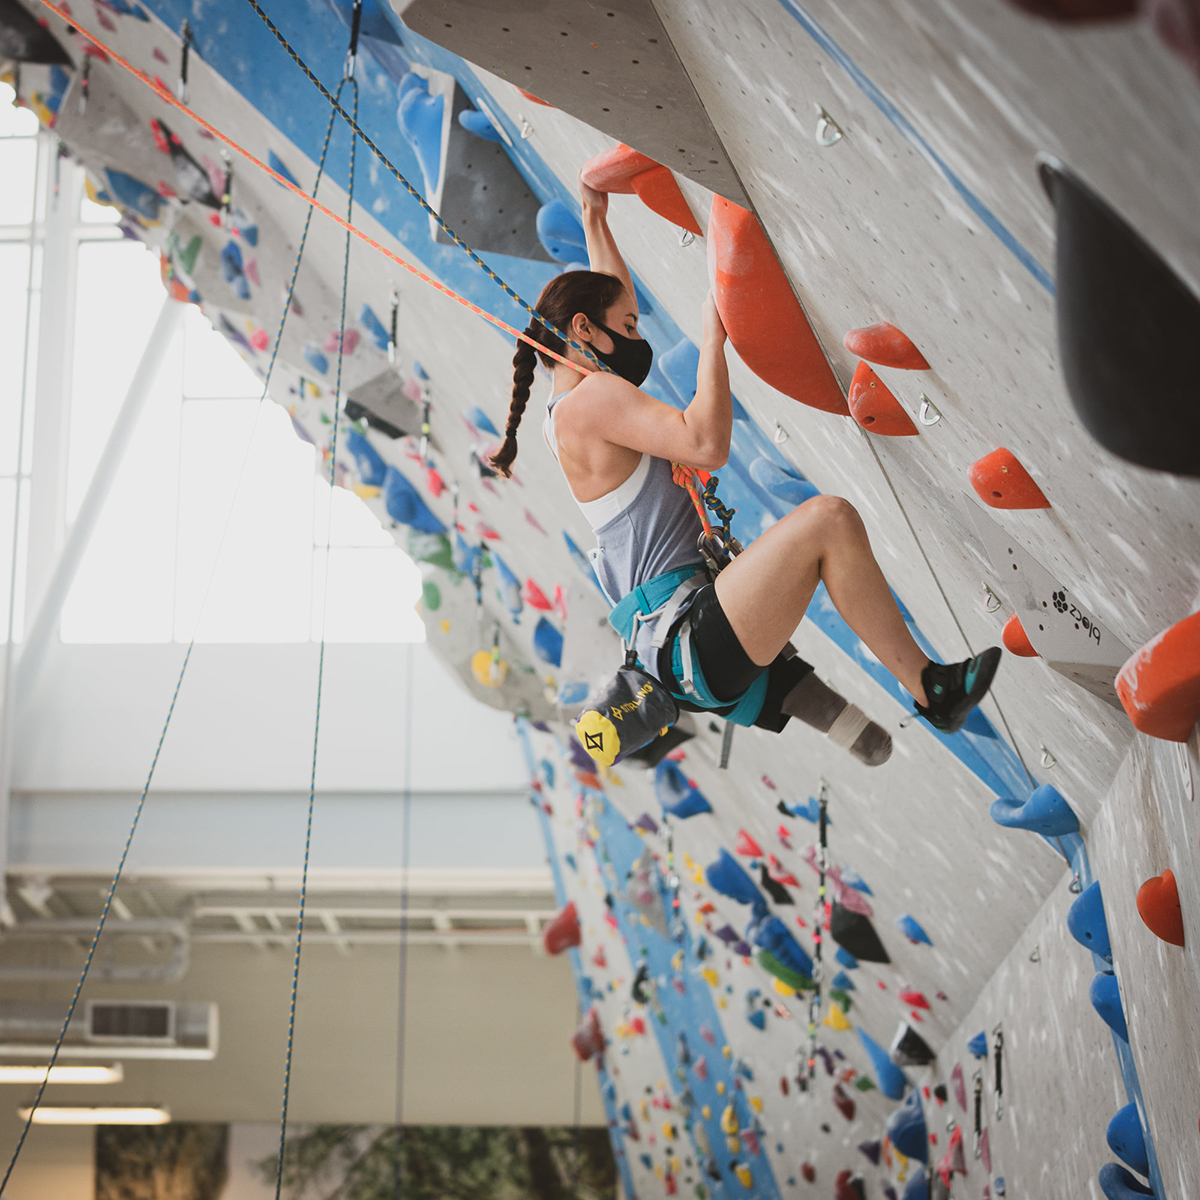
{"x":260,"y":339}
{"x":886,"y":345}
{"x":560,"y":601}
{"x":960,"y":1087}
{"x":747,"y":845}
{"x":349,"y":339}
{"x":437,"y":485}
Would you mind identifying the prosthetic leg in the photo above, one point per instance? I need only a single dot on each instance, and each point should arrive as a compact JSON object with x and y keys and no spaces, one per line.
{"x":815,"y":703}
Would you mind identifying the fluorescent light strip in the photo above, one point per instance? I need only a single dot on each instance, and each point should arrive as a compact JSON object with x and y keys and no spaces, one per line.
{"x":15,"y":1073}
{"x":96,"y":1116}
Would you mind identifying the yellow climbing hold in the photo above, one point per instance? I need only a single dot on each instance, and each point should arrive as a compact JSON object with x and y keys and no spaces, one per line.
{"x":710,"y":976}
{"x":729,"y":1121}
{"x":837,"y":1019}
{"x":445,"y":625}
{"x":677,"y":960}
{"x":486,"y":671}
{"x":783,"y":989}
{"x":727,"y":1050}
{"x":365,"y":492}
{"x":745,"y":1175}
{"x":706,"y":1112}
{"x":756,"y":1103}
{"x":720,"y":1088}
{"x":668,"y":1130}
{"x":721,"y":1002}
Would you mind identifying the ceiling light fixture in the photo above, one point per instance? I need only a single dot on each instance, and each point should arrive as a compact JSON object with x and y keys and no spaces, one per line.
{"x":97,"y":1116}
{"x":19,"y":1073}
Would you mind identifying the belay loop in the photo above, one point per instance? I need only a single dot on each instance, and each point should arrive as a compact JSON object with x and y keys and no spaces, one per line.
{"x":717,"y":545}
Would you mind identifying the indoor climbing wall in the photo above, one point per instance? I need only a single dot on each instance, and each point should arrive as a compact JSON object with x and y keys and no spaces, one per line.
{"x":952,"y":298}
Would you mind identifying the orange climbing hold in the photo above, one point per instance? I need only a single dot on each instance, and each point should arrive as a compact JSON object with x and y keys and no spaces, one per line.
{"x":1015,"y":639}
{"x":886,"y":345}
{"x":874,"y":407}
{"x":562,"y":932}
{"x":1160,"y":683}
{"x":625,"y":170}
{"x":1158,"y":906}
{"x":535,"y":99}
{"x":761,"y":314}
{"x":1000,"y":481}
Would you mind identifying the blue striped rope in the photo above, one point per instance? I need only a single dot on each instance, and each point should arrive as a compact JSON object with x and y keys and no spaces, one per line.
{"x":312,"y":782}
{"x":287,"y":305}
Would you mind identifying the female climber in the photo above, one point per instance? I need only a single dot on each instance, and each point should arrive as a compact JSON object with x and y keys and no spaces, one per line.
{"x":722,"y":645}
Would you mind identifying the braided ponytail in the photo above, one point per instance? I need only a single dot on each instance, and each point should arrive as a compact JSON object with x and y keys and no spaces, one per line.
{"x":589,"y":292}
{"x":524,"y":366}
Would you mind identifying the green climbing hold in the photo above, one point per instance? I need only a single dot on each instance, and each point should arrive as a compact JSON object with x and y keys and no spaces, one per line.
{"x":431,"y":595}
{"x":840,"y":998}
{"x":794,"y":979}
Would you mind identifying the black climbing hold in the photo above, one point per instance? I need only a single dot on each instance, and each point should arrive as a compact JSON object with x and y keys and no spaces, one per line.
{"x":1128,"y":328}
{"x":1118,"y":1184}
{"x":776,"y":891}
{"x":856,"y":935}
{"x":909,"y":1048}
{"x":941,"y":1093}
{"x":24,"y":39}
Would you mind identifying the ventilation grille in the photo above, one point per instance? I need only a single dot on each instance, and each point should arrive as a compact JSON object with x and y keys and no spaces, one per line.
{"x":136,"y":1021}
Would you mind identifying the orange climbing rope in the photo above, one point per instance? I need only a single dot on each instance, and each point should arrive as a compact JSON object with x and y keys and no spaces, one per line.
{"x":164,"y":93}
{"x":685,"y":477}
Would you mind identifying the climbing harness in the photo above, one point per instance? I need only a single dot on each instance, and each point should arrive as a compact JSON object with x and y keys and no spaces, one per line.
{"x":312,"y":783}
{"x":168,"y":97}
{"x":633,"y":708}
{"x":141,"y":803}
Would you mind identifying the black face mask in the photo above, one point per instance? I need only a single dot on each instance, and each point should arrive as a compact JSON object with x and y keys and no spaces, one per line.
{"x":630,"y":358}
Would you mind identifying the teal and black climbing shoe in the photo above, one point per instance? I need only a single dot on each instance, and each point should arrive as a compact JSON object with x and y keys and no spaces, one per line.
{"x":953,"y":689}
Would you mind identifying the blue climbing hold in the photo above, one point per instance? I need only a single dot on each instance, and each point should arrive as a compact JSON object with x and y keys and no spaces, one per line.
{"x":846,"y":959}
{"x":675,"y":794}
{"x":680,"y":365}
{"x":371,"y":467}
{"x":1045,"y":812}
{"x":1085,"y":920}
{"x":769,"y":933}
{"x":420,"y":372}
{"x":906,"y":1128}
{"x":560,"y":233}
{"x":977,"y":1046}
{"x":1105,"y":995}
{"x":851,"y":878}
{"x":1126,"y":1139}
{"x":727,"y":877}
{"x":481,"y":420}
{"x":844,"y":982}
{"x":465,"y":558}
{"x":374,"y":326}
{"x":478,"y":123}
{"x":234,"y":274}
{"x":404,"y":504}
{"x":810,"y":811}
{"x":754,"y":1012}
{"x":547,"y":772}
{"x":917,"y":1187}
{"x":280,"y":168}
{"x":1117,"y":1184}
{"x":889,"y":1078}
{"x":548,"y":643}
{"x":420,"y":119}
{"x":783,"y":485}
{"x":372,"y":21}
{"x":912,"y":930}
{"x":133,"y":194}
{"x":582,"y":561}
{"x":509,"y":585}
{"x":316,"y":360}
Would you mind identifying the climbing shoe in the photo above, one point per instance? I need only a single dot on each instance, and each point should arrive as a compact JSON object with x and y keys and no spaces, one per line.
{"x":953,"y":689}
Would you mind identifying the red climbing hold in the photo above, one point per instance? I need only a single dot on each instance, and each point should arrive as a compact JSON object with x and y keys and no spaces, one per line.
{"x":563,"y":931}
{"x":535,"y":597}
{"x":625,"y":170}
{"x":1015,"y":639}
{"x":809,"y":1172}
{"x":437,"y":485}
{"x":953,"y":1160}
{"x":747,"y":845}
{"x":915,"y":999}
{"x":1160,"y":683}
{"x":761,"y":314}
{"x":1000,"y":481}
{"x":845,"y":1104}
{"x":1158,"y":906}
{"x":535,"y":99}
{"x":588,"y":1039}
{"x":874,"y":407}
{"x":886,"y":345}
